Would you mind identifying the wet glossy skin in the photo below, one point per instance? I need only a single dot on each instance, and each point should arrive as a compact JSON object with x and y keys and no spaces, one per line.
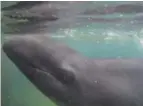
{"x":71,"y":79}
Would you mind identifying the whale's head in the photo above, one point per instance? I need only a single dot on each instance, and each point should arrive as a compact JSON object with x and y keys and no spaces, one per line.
{"x":49,"y":65}
{"x":69,"y":78}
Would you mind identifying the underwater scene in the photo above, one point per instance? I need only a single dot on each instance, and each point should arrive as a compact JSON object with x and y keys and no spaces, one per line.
{"x":96,"y":29}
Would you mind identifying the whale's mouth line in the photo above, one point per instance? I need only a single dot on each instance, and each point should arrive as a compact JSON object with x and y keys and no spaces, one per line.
{"x":41,"y":71}
{"x":36,"y":69}
{"x":49,"y":75}
{"x":33,"y":69}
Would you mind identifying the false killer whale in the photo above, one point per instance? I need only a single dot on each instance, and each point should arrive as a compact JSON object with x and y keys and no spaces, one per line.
{"x":49,"y":16}
{"x":72,"y":79}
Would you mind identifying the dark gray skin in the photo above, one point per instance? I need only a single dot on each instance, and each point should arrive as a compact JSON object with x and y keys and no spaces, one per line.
{"x":41,"y":16}
{"x":50,"y":16}
{"x":48,"y":10}
{"x":42,"y":10}
{"x":71,"y":79}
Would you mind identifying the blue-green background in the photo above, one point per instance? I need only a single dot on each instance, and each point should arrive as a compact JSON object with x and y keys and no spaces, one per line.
{"x":95,"y":40}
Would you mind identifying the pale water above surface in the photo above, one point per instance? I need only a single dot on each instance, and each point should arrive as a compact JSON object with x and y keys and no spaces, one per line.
{"x":117,"y":35}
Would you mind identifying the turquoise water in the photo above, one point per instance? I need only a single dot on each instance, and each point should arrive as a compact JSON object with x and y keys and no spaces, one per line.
{"x":93,"y":39}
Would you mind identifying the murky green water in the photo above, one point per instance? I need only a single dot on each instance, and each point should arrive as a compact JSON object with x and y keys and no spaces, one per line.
{"x":100,"y":40}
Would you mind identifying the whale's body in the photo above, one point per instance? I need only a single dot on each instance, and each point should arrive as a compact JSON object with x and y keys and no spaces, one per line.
{"x":71,"y":79}
{"x":49,"y":16}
